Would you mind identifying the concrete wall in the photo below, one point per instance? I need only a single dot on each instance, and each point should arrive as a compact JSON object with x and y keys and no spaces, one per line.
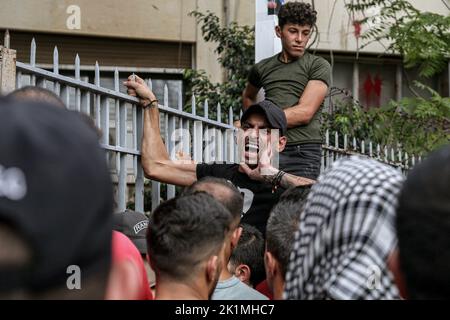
{"x":168,"y":20}
{"x":142,"y":19}
{"x":335,"y":24}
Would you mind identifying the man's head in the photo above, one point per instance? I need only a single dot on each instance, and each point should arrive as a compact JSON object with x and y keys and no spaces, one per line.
{"x":247,"y":259}
{"x":230,"y":197}
{"x":281,"y":227}
{"x":55,"y":205}
{"x":184,"y":240}
{"x":134,"y":225}
{"x":264,"y":127}
{"x":36,"y":94}
{"x":423,"y":228}
{"x":295,"y":23}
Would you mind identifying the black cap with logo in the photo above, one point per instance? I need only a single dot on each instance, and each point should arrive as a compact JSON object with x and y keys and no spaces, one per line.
{"x":274,"y":115}
{"x":134,"y":225}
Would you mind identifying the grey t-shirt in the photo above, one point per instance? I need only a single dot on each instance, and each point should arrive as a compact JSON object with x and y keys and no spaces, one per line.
{"x":235,"y":289}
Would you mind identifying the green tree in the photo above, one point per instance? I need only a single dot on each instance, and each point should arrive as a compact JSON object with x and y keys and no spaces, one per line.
{"x":417,"y":124}
{"x":422,"y":38}
{"x":235,"y":47}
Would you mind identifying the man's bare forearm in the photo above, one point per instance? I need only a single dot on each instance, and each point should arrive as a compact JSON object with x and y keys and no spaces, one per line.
{"x":297,"y":115}
{"x":308,"y":104}
{"x":155,"y":158}
{"x":153,"y":148}
{"x":289,"y":180}
{"x":153,"y":143}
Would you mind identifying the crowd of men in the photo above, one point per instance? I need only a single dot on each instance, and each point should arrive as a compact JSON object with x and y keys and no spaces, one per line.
{"x":245,"y":231}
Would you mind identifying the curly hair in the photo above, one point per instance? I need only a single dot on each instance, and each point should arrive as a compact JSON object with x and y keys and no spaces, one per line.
{"x":297,"y":13}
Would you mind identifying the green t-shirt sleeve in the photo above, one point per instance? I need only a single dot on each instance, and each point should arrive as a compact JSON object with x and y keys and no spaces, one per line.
{"x":254,"y":77}
{"x":321,"y":70}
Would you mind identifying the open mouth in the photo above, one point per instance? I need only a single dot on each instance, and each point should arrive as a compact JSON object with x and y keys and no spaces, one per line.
{"x":251,"y":154}
{"x":251,"y":147}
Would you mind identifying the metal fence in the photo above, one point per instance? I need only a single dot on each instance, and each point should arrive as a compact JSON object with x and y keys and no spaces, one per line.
{"x":344,"y":146}
{"x":120,"y":120}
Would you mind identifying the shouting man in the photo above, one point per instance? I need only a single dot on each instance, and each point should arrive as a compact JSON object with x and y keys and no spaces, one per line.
{"x":259,"y":196}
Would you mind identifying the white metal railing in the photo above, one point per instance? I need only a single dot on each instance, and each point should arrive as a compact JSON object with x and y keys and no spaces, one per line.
{"x":110,"y":110}
{"x":117,"y":112}
{"x":343,"y":145}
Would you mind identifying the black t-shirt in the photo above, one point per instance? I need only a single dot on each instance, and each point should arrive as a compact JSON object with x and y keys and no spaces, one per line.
{"x":258,"y":196}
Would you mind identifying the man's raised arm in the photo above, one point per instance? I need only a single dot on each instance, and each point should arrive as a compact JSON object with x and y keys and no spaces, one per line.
{"x":155,"y":160}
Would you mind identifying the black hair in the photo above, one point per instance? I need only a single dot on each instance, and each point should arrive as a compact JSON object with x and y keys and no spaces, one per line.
{"x":36,"y":94}
{"x":250,"y":251}
{"x":297,"y":13}
{"x":423,"y":228}
{"x":283,"y":223}
{"x":185,"y":231}
{"x":232,"y":200}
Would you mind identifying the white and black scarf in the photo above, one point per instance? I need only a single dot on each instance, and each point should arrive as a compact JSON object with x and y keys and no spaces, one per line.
{"x":346,"y":234}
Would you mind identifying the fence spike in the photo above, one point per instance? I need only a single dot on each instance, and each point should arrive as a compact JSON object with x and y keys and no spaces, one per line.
{"x":150,"y":84}
{"x":77,"y":67}
{"x":230,"y":116}
{"x":205,"y":106}
{"x":166,"y":95}
{"x":116,"y":80}
{"x":345,"y":142}
{"x":180,"y":100}
{"x":33,"y":53}
{"x":56,"y":60}
{"x":336,"y":140}
{"x":370,"y":149}
{"x":219,"y":113}
{"x":6,"y":41}
{"x":406,"y":160}
{"x":363,"y":147}
{"x":194,"y":105}
{"x":97,"y":74}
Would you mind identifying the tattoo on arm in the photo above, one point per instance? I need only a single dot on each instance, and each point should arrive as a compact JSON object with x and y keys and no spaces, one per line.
{"x":290,"y":180}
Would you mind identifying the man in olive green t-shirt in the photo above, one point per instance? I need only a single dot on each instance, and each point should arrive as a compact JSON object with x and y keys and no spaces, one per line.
{"x":297,"y":82}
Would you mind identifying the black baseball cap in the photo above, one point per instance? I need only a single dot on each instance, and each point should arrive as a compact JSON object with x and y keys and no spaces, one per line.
{"x":134,"y":225}
{"x":274,"y":115}
{"x":55,"y":194}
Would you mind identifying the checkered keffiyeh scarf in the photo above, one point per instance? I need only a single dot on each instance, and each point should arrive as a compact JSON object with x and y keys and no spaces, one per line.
{"x":346,"y":234}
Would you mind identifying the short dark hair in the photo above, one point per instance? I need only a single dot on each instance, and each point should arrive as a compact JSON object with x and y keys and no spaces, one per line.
{"x":297,"y":13}
{"x":423,"y":228}
{"x":283,"y":223}
{"x":36,"y":94}
{"x":185,"y":231}
{"x":250,"y":251}
{"x":233,"y":200}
